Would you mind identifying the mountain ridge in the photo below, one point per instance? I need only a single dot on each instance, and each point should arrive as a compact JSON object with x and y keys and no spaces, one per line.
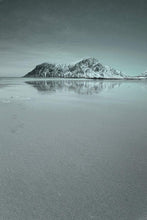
{"x":89,"y":68}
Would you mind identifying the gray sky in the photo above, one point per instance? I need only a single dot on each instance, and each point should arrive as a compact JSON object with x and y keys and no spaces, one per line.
{"x":65,"y":31}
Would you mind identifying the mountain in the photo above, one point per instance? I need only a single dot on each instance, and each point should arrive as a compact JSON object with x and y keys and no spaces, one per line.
{"x":144,"y":74}
{"x":89,"y":68}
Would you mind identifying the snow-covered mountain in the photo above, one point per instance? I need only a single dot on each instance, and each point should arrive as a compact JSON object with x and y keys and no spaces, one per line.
{"x":89,"y":68}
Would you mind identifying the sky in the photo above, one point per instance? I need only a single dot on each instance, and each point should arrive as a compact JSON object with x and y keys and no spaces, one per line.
{"x":66,"y":31}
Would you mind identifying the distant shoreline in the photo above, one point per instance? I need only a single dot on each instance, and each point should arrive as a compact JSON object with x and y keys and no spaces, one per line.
{"x":127,"y":78}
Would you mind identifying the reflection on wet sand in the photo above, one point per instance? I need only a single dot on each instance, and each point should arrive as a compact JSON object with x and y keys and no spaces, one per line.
{"x":77,"y":86}
{"x":68,"y":155}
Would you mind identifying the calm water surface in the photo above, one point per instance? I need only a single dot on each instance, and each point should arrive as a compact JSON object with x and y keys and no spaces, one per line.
{"x":73,"y":149}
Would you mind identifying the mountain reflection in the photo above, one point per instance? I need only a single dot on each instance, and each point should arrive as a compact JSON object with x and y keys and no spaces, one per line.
{"x":87,"y":87}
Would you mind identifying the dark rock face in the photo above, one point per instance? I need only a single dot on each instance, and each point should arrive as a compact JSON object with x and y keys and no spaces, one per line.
{"x":87,"y":68}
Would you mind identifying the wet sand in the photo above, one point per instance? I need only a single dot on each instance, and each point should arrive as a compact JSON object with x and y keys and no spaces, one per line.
{"x":73,"y":149}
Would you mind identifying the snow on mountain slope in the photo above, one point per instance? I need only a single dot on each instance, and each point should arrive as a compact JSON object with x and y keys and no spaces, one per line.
{"x":86,"y":68}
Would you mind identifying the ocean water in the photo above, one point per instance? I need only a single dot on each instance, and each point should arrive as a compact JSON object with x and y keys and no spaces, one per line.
{"x":73,"y":149}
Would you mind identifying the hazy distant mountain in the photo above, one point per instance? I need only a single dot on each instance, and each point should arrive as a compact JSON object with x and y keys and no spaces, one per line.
{"x":87,"y":68}
{"x":141,"y":76}
{"x":144,"y":74}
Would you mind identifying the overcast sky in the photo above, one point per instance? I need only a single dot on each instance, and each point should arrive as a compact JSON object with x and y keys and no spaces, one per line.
{"x":65,"y":31}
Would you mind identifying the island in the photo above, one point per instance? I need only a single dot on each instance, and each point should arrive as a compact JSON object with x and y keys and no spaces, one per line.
{"x":89,"y":68}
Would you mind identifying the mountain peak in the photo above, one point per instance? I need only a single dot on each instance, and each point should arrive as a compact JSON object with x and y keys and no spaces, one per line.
{"x":88,"y":61}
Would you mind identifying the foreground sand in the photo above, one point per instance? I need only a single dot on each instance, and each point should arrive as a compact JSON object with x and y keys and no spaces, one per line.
{"x":69,"y":151}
